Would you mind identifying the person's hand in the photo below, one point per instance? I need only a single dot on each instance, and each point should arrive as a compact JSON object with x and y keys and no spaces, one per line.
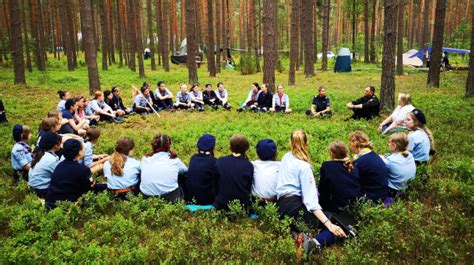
{"x":381,"y":128}
{"x":336,"y":230}
{"x":147,"y":109}
{"x":349,"y":105}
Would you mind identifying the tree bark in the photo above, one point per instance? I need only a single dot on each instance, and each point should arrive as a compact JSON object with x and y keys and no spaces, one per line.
{"x":165,"y":45}
{"x":366,"y":31}
{"x":308,"y":38}
{"x":131,"y":35}
{"x":40,"y":64}
{"x":71,"y":33}
{"x":270,"y":49}
{"x":373,"y":50}
{"x":119,"y":32}
{"x":16,"y":43}
{"x":400,"y":34}
{"x":138,"y":39}
{"x":103,"y":29}
{"x":438,"y":37}
{"x":387,"y":93}
{"x":294,"y":41}
{"x":25,"y":34}
{"x":324,"y":64}
{"x":210,"y":53}
{"x":89,"y":46}
{"x":470,"y":76}
{"x":191,"y":41}
{"x":150,"y":34}
{"x":426,"y":30}
{"x":218,"y":36}
{"x":353,"y":30}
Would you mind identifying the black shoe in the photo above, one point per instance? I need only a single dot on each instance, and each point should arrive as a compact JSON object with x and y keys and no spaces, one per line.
{"x":240,"y":109}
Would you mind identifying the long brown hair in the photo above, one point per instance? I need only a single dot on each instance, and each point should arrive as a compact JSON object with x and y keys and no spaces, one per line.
{"x":48,"y":123}
{"x":122,"y":149}
{"x":401,"y":142}
{"x":360,"y":140}
{"x":425,"y":128}
{"x":340,"y":152}
{"x":239,"y":145}
{"x":299,"y":145}
{"x":162,"y":143}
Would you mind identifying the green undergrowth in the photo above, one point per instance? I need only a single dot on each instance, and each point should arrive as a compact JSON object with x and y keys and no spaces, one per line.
{"x":433,"y":224}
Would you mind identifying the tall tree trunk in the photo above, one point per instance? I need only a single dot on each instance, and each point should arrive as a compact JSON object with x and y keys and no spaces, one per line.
{"x":40,"y":64}
{"x":400,"y":34}
{"x":66,"y":40}
{"x":159,"y":28}
{"x":150,"y":34}
{"x":71,"y":33}
{"x":308,"y":40}
{"x":387,"y":93}
{"x":103,"y":29}
{"x":16,"y":44}
{"x":132,"y":35}
{"x":138,"y":39}
{"x":166,"y":61}
{"x":366,"y":31}
{"x":302,"y":33}
{"x":315,"y":31}
{"x":256,"y":34}
{"x":438,"y":37}
{"x":470,"y":76}
{"x":89,"y":46}
{"x":294,"y":41}
{"x":270,"y":49}
{"x":426,"y":30}
{"x":324,"y":64}
{"x":119,"y":32}
{"x":110,"y":31}
{"x":191,"y":41}
{"x":210,"y":53}
{"x":25,"y":34}
{"x":373,"y":50}
{"x":41,"y":32}
{"x":410,"y":25}
{"x":218,"y":35}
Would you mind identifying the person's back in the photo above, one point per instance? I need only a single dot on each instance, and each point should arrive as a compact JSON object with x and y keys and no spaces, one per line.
{"x":401,"y":169}
{"x":265,"y":179}
{"x":129,"y":178}
{"x":234,"y":177}
{"x":159,"y":174}
{"x":200,"y":180}
{"x":419,"y":145}
{"x":338,"y":187}
{"x":373,"y":176}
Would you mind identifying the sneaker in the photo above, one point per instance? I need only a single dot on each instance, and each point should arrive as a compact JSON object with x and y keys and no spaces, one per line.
{"x":240,"y":109}
{"x":308,"y":245}
{"x":117,"y":121}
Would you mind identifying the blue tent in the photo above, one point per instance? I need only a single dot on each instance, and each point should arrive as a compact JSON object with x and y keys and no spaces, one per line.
{"x":419,"y":54}
{"x":343,"y":61}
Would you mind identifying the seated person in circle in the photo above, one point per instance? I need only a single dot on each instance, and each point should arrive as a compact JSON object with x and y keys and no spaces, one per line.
{"x":63,"y":96}
{"x":234,"y":174}
{"x":101,"y":108}
{"x":396,"y":121}
{"x":321,"y":105}
{"x":160,"y":171}
{"x":251,"y":101}
{"x":164,"y":97}
{"x":196,"y":97}
{"x":123,"y":171}
{"x":265,"y":171}
{"x":222,"y":96}
{"x":142,"y":103}
{"x":420,"y":139}
{"x":209,"y":97}
{"x":116,"y":103}
{"x":183,"y":98}
{"x":400,"y":164}
{"x":72,"y":126}
{"x":201,"y":182}
{"x":366,"y":107}
{"x":264,"y":100}
{"x":281,"y":101}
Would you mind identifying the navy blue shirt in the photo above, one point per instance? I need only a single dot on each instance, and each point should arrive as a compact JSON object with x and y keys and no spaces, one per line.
{"x":234,"y":181}
{"x":265,"y":100}
{"x":201,"y":180}
{"x":373,"y":176}
{"x":69,"y":181}
{"x":321,"y":103}
{"x":338,"y":187}
{"x":208,"y":95}
{"x":67,"y":114}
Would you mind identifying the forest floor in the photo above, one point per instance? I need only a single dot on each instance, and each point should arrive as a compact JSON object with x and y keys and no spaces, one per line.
{"x":434,"y":224}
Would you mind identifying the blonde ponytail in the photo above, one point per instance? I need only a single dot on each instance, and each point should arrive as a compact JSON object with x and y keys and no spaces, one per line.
{"x":299,"y":145}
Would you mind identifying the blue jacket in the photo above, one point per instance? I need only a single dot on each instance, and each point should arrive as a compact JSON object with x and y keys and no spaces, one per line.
{"x":201,"y":179}
{"x":373,"y":176}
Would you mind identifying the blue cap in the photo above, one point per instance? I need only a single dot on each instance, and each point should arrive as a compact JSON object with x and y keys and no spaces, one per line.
{"x":17,"y":132}
{"x":420,"y":116}
{"x":266,"y":149}
{"x":206,"y":142}
{"x":71,"y":149}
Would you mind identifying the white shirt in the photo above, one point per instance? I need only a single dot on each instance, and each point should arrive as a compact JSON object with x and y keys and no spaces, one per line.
{"x":39,"y":176}
{"x":130,"y":177}
{"x":400,"y":113}
{"x":160,"y":174}
{"x":265,"y":177}
{"x":97,"y":106}
{"x":296,"y":178}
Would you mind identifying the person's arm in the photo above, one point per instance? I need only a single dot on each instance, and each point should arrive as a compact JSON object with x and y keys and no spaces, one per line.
{"x":324,"y":187}
{"x":351,"y":105}
{"x":159,"y":96}
{"x":287,"y":103}
{"x":249,"y":98}
{"x":88,"y":155}
{"x":384,"y":122}
{"x":328,"y":107}
{"x":273,"y":103}
{"x":219,"y":97}
{"x":21,"y":158}
{"x":182,"y":168}
{"x":137,"y":105}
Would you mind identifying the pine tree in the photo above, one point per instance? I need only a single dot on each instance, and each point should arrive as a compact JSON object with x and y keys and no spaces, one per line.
{"x":16,"y":43}
{"x":89,"y":45}
{"x":387,"y":92}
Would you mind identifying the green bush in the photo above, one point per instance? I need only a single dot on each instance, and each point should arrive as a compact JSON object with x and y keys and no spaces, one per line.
{"x":247,"y":64}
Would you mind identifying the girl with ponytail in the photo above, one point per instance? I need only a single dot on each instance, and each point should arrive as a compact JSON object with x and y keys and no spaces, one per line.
{"x":339,"y":183}
{"x":160,"y":170}
{"x":122,"y":171}
{"x":298,"y":197}
{"x":400,"y":164}
{"x":420,"y":139}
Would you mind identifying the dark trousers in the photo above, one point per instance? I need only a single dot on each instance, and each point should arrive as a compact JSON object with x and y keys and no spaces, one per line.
{"x":164,"y":104}
{"x":105,"y":117}
{"x":280,"y":109}
{"x":198,"y":106}
{"x":173,"y":196}
{"x":226,"y":105}
{"x":66,"y":128}
{"x":41,"y":193}
{"x":3,"y":116}
{"x":362,"y":114}
{"x":293,"y":207}
{"x":17,"y":174}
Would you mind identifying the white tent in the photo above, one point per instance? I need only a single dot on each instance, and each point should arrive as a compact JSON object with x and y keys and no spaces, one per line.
{"x":344,"y":52}
{"x":415,"y":61}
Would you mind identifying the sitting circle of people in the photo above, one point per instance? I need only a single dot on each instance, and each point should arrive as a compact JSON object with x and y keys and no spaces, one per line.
{"x":62,"y":165}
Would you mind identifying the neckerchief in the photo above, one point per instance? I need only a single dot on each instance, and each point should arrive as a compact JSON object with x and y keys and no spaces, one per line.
{"x":362,"y":152}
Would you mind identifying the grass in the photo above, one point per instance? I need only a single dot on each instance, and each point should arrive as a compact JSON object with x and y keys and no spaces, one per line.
{"x":434,"y":225}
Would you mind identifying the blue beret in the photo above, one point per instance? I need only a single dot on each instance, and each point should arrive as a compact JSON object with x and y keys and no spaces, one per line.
{"x":266,"y":149}
{"x":48,"y":140}
{"x":17,"y":132}
{"x":420,"y":116}
{"x":71,"y":149}
{"x":206,"y":142}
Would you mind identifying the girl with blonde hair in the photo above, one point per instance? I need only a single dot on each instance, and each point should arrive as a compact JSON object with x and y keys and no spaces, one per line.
{"x":297,"y":193}
{"x":396,"y":121}
{"x":420,"y":139}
